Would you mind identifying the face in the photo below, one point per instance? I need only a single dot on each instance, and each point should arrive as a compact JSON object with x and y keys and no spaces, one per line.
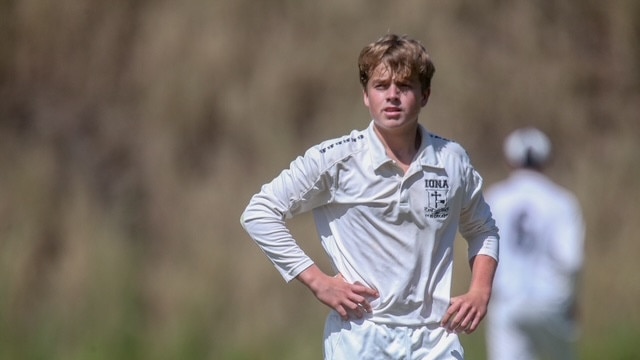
{"x":394,"y":103}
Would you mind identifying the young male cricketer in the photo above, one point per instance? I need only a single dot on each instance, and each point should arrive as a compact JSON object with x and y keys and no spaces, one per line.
{"x":388,"y":202}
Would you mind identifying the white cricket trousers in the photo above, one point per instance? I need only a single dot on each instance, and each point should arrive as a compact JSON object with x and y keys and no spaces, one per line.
{"x":363,"y":339}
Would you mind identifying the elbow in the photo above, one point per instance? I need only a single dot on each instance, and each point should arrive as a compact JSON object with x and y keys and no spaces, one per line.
{"x":257,"y":215}
{"x":245,"y":218}
{"x":243,"y":221}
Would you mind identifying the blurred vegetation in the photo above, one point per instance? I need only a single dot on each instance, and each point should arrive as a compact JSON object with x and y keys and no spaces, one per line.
{"x":133,"y":133}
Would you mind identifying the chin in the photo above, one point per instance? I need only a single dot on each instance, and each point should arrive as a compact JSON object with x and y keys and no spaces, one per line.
{"x":394,"y":123}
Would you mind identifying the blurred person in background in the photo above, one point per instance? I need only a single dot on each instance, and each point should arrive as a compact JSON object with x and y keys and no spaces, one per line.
{"x":532,"y":312}
{"x":388,"y":202}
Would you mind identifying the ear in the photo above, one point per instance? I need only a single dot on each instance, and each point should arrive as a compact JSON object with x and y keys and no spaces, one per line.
{"x":365,"y":97}
{"x":425,"y":96}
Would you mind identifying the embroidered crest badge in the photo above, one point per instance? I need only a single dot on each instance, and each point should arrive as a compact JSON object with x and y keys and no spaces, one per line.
{"x":437,"y":191}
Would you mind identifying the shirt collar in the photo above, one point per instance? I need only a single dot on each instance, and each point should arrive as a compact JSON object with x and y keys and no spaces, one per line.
{"x":429,"y":149}
{"x":426,"y":153}
{"x":378,"y":153}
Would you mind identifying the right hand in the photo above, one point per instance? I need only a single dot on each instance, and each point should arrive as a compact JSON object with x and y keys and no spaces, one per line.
{"x":345,"y":298}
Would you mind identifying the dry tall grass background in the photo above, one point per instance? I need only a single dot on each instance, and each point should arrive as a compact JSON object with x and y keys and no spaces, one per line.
{"x":133,"y":133}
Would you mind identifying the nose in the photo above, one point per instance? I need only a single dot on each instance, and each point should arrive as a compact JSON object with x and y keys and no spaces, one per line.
{"x":393,"y":92}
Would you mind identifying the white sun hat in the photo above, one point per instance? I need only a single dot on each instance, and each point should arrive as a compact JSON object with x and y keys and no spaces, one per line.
{"x":527,"y":146}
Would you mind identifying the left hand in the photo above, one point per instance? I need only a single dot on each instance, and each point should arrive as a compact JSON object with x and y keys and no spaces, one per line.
{"x":465,"y":312}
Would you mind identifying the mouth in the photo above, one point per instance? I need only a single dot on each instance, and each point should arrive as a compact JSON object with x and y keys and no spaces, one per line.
{"x":392,"y":111}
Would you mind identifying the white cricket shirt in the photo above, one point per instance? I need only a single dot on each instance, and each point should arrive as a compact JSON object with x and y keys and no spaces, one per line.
{"x":542,"y":236}
{"x":390,"y":231}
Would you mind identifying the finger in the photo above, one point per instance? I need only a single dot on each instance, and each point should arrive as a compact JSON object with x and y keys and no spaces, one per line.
{"x":356,"y":309}
{"x":366,"y":306}
{"x":362,"y":302}
{"x":361,"y":293}
{"x":472,"y":327}
{"x":342,"y":312}
{"x":468,"y":317}
{"x":467,"y":322}
{"x":445,"y":320}
{"x":448,"y":315}
{"x":453,"y":324}
{"x":455,"y":321}
{"x":359,"y":288}
{"x":359,"y":312}
{"x":475,"y":323}
{"x":462,"y":319}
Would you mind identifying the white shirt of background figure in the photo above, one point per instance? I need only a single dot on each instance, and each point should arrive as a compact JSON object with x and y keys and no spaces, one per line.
{"x":533,"y":307}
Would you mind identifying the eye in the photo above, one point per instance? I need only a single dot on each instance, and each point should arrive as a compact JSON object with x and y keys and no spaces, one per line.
{"x":380,"y":86}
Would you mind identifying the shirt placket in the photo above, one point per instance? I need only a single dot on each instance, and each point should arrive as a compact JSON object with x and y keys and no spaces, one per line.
{"x":404,"y":196}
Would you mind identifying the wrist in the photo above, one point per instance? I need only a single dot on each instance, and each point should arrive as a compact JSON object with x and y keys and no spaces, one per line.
{"x":310,"y":276}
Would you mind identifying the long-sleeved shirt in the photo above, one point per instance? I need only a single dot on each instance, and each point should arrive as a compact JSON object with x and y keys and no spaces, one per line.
{"x":542,"y":236}
{"x":390,"y":230}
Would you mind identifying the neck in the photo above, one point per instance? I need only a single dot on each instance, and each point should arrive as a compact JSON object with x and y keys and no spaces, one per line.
{"x":401,"y":146}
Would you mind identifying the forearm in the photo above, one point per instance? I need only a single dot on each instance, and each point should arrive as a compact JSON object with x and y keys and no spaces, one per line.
{"x":295,"y":191}
{"x":483,"y":269}
{"x":267,"y":228}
